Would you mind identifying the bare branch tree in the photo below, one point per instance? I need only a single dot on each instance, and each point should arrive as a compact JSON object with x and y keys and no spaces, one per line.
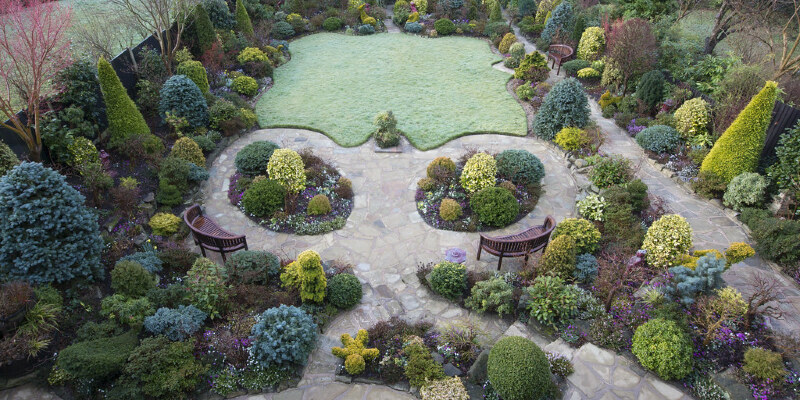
{"x":732,"y":16}
{"x":765,"y":291}
{"x":685,"y":7}
{"x":33,"y":48}
{"x":157,"y":17}
{"x":106,"y":34}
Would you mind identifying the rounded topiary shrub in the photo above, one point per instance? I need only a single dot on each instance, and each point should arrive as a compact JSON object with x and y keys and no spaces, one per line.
{"x":747,"y":189}
{"x":47,"y":234}
{"x":245,"y":85}
{"x":565,"y":105}
{"x":583,"y":232}
{"x":592,"y":44}
{"x":495,"y":206}
{"x":518,"y":369}
{"x":659,"y":139}
{"x":571,"y":139}
{"x":253,"y":158}
{"x":282,"y":336}
{"x":332,"y":24}
{"x":479,"y":172}
{"x":286,"y":167}
{"x":505,"y":44}
{"x":661,"y":346}
{"x":129,"y":278}
{"x":187,"y":149}
{"x":344,"y":291}
{"x":692,"y":118}
{"x":666,"y":240}
{"x":559,"y":258}
{"x":650,"y":89}
{"x":164,"y":224}
{"x":449,"y":279}
{"x":180,"y":96}
{"x":263,"y":198}
{"x":195,"y":71}
{"x":450,"y":210}
{"x":252,"y":267}
{"x":517,"y":51}
{"x":441,"y":168}
{"x":282,"y":30}
{"x":520,"y":167}
{"x":444,"y":26}
{"x":319,"y":205}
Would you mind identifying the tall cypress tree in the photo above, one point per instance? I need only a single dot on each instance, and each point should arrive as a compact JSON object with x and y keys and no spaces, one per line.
{"x":243,"y":23}
{"x":124,"y":119}
{"x":203,"y":28}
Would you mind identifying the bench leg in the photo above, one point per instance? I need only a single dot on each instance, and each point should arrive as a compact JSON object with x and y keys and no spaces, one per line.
{"x":222,"y":252}
{"x":203,"y":250}
{"x":500,"y":262}
{"x":480,"y":248}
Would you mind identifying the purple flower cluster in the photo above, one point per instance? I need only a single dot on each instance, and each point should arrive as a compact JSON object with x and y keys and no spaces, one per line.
{"x":633,"y":129}
{"x":234,"y":194}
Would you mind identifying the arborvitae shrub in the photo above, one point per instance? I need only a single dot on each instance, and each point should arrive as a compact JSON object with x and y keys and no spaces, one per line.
{"x":124,"y":119}
{"x":559,"y":258}
{"x":306,"y":274}
{"x":565,"y":105}
{"x":505,"y":44}
{"x":243,"y":23}
{"x":47,"y":234}
{"x":526,"y":8}
{"x":739,"y":148}
{"x":203,"y":29}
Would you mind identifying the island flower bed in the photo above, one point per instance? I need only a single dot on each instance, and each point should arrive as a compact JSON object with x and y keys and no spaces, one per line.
{"x":481,"y":191}
{"x":290,"y":192}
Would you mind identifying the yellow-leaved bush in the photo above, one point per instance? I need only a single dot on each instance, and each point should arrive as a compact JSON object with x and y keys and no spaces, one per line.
{"x":692,"y":118}
{"x":306,"y":274}
{"x":355,"y":352}
{"x":444,"y":389}
{"x":592,"y":44}
{"x":667,"y":240}
{"x":571,"y":138}
{"x":164,"y":224}
{"x":505,"y":44}
{"x":588,"y":73}
{"x":187,"y":149}
{"x":286,"y":167}
{"x":250,"y":54}
{"x":739,"y":148}
{"x":479,"y":172}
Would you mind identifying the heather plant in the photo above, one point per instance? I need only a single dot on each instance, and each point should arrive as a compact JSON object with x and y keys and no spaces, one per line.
{"x":176,"y":324}
{"x":565,"y":105}
{"x":282,"y":336}
{"x":47,"y":234}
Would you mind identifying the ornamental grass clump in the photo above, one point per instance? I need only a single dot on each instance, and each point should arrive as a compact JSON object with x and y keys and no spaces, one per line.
{"x":565,"y":105}
{"x":739,"y":148}
{"x":355,"y":352}
{"x":479,"y":172}
{"x":663,"y":347}
{"x":667,"y":239}
{"x":518,"y":369}
{"x":286,"y":167}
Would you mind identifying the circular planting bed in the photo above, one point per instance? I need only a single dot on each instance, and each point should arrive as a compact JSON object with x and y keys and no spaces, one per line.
{"x":290,"y":192}
{"x":480,"y":191}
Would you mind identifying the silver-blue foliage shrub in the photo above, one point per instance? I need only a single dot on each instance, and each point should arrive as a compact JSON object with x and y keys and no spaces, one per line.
{"x":585,"y":268}
{"x":181,"y":96}
{"x":565,"y":105}
{"x":175,"y":323}
{"x":686,"y":284}
{"x":560,"y":21}
{"x":282,"y":336}
{"x":147,"y":259}
{"x":413,"y":27}
{"x":47,"y":234}
{"x":659,"y":139}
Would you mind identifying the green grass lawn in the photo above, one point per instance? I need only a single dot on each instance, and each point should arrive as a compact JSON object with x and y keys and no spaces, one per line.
{"x":439,"y":89}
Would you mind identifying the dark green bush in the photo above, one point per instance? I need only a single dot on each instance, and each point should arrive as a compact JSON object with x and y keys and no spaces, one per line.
{"x":182,"y":97}
{"x":650,"y":89}
{"x":282,"y":30}
{"x":561,"y":20}
{"x":520,"y":167}
{"x":421,"y":368}
{"x":608,"y":171}
{"x":496,"y":29}
{"x":220,"y":14}
{"x":494,"y":206}
{"x":709,"y":185}
{"x":344,"y":291}
{"x":659,"y":139}
{"x":444,"y":26}
{"x":252,"y":267}
{"x":518,"y":369}
{"x":332,"y":24}
{"x":263,"y":198}
{"x":449,"y":279}
{"x":98,"y":359}
{"x":253,"y":158}
{"x":8,"y":159}
{"x":47,"y":234}
{"x":786,"y":171}
{"x":565,"y":105}
{"x":164,"y":369}
{"x":776,"y":239}
{"x":129,"y":278}
{"x":203,"y":29}
{"x":573,"y":66}
{"x":80,"y":88}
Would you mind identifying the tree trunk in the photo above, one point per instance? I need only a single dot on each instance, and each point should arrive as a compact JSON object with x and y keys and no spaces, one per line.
{"x":720,"y":30}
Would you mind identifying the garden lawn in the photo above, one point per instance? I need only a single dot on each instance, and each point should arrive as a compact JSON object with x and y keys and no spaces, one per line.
{"x":439,"y":89}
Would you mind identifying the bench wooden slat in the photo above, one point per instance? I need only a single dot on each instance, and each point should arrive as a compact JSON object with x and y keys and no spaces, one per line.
{"x":519,"y":244}
{"x":559,"y":53}
{"x":209,"y":236}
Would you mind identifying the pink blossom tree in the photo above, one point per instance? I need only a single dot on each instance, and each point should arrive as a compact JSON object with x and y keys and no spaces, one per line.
{"x":33,"y":48}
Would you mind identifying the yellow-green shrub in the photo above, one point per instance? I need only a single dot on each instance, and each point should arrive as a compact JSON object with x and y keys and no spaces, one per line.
{"x":286,"y":167}
{"x":588,"y":73}
{"x":559,"y":258}
{"x":571,"y":139}
{"x":355,"y":352}
{"x":195,"y":71}
{"x":449,"y":210}
{"x":250,"y":54}
{"x":505,"y":44}
{"x":545,"y":7}
{"x":738,"y":252}
{"x":164,"y":224}
{"x":441,"y":168}
{"x":739,"y":148}
{"x":426,"y":184}
{"x":306,"y":274}
{"x":583,"y":232}
{"x":445,"y":389}
{"x":667,"y":239}
{"x":413,"y":17}
{"x":593,"y":41}
{"x":245,"y":85}
{"x":606,"y":99}
{"x":764,"y":364}
{"x":692,"y":118}
{"x":124,"y":119}
{"x":479,"y":172}
{"x":187,"y":149}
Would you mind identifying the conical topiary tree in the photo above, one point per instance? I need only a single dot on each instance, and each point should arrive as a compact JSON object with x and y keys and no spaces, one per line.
{"x":124,"y":119}
{"x":739,"y":148}
{"x":559,"y":21}
{"x":243,"y":23}
{"x":203,"y":29}
{"x":565,"y":105}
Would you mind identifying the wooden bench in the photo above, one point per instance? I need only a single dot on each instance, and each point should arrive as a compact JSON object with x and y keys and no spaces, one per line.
{"x":209,"y":236}
{"x":559,"y":53}
{"x":520,"y":244}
